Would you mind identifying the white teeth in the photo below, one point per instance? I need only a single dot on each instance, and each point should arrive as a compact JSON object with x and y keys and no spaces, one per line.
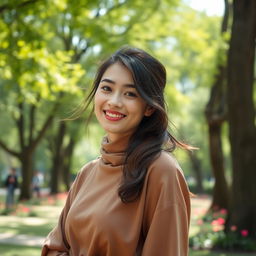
{"x":113,"y":115}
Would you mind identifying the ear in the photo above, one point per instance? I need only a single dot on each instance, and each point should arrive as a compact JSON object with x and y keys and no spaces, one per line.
{"x":149,"y":111}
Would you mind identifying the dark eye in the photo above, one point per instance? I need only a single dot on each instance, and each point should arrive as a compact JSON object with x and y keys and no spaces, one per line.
{"x":131,"y":94}
{"x":105,"y":88}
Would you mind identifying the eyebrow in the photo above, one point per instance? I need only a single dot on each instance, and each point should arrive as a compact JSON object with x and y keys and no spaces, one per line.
{"x":113,"y":82}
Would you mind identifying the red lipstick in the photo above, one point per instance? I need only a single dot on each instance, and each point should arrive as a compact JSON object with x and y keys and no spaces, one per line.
{"x":113,"y":115}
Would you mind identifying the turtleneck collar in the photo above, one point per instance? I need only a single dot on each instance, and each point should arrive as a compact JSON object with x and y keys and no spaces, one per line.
{"x":113,"y":153}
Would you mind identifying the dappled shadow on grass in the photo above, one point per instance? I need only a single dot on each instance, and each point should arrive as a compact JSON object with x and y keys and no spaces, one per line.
{"x":28,"y":224}
{"x":202,"y":253}
{"x":218,"y":253}
{"x":24,"y":240}
{"x":18,"y":226}
{"x":36,"y":226}
{"x":36,"y":217}
{"x":17,"y":250}
{"x":36,"y":207}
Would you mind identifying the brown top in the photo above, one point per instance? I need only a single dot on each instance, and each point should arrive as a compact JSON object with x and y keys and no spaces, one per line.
{"x":95,"y":222}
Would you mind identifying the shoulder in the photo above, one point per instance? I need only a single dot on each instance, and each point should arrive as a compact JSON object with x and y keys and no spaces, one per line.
{"x":81,"y":177}
{"x":83,"y":173}
{"x":166,"y":159}
{"x":87,"y":168}
{"x":165,"y":177}
{"x":165,"y":166}
{"x":165,"y":185}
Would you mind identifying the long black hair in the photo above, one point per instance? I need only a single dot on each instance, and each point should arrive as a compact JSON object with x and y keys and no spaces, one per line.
{"x":152,"y":134}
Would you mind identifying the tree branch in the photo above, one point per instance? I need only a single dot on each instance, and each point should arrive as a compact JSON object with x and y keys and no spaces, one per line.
{"x":45,"y":126}
{"x":79,"y":52}
{"x":97,"y":15}
{"x":20,"y":125}
{"x":32,"y":122}
{"x":139,"y":18}
{"x":7,"y":149}
{"x":5,"y":7}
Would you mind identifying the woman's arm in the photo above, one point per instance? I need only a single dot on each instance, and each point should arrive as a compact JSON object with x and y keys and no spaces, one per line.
{"x":168,"y":232}
{"x":56,"y":243}
{"x":167,"y":211}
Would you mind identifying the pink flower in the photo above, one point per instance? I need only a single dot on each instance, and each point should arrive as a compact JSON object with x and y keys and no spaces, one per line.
{"x":221,"y":221}
{"x":25,"y":209}
{"x":62,"y":196}
{"x":233,"y":228}
{"x":244,"y":232}
{"x":215,"y":223}
{"x":217,"y":228}
{"x":223,"y":211}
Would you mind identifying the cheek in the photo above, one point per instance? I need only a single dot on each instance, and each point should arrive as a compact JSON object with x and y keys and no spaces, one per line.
{"x":137,"y":111}
{"x":98,"y":100}
{"x":96,"y":105}
{"x":140,"y":108}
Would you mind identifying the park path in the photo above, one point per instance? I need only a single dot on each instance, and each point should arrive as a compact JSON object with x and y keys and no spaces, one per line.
{"x":9,"y":238}
{"x":199,"y":205}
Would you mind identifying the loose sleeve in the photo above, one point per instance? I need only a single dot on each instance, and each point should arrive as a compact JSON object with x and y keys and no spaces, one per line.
{"x":168,"y":233}
{"x":56,"y":243}
{"x":167,"y":218}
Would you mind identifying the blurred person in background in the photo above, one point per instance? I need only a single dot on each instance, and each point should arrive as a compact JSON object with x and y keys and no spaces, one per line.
{"x":37,"y":182}
{"x":11,"y":183}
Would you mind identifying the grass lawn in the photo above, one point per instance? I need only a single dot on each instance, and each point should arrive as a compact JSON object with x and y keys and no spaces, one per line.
{"x":16,"y":250}
{"x":46,"y":218}
{"x":29,"y":226}
{"x":209,"y":253}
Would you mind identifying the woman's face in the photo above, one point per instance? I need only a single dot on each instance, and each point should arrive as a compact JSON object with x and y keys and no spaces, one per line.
{"x":118,"y":106}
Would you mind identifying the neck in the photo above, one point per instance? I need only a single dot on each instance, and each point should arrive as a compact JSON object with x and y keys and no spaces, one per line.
{"x":116,"y":137}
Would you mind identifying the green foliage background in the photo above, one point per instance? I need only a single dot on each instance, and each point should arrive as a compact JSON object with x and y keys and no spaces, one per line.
{"x":49,"y":51}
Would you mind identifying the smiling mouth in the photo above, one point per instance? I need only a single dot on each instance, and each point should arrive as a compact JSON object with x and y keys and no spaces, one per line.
{"x":113,"y":115}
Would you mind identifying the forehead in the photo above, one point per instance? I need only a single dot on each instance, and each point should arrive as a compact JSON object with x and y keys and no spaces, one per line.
{"x":118,"y":73}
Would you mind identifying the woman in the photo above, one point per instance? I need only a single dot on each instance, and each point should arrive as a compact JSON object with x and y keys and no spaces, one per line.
{"x":132,"y":200}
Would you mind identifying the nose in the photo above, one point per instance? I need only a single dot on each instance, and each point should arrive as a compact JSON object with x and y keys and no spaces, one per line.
{"x":115,"y":100}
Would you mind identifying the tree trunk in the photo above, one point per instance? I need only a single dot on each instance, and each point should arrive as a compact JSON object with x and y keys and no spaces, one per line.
{"x":241,"y":114}
{"x":57,"y":159}
{"x":27,"y":174}
{"x":197,"y":171}
{"x":215,"y":113}
{"x":220,"y":190}
{"x":68,"y":153}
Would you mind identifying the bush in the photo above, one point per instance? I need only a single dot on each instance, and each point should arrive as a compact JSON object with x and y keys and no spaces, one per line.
{"x":213,"y":236}
{"x":224,"y":241}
